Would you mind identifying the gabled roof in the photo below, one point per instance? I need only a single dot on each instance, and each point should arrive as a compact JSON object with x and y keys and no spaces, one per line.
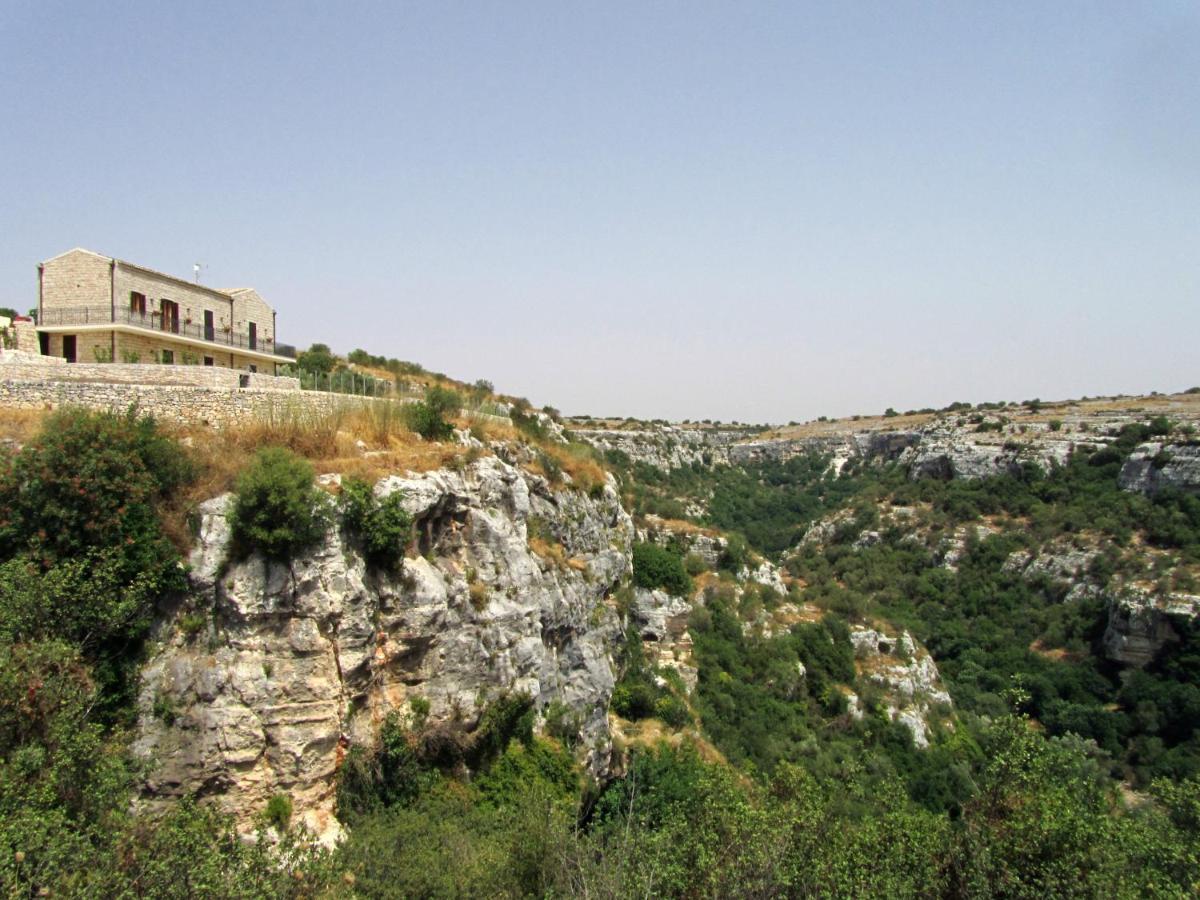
{"x":79,"y":250}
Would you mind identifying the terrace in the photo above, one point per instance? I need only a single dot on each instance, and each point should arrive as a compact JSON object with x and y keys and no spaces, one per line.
{"x":98,"y":317}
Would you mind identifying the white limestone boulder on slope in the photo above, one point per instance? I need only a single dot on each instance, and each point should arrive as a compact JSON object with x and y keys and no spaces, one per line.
{"x":913,"y":691}
{"x":297,"y":662}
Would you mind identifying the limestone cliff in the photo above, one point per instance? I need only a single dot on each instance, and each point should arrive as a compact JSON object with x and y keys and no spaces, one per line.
{"x":294,"y":663}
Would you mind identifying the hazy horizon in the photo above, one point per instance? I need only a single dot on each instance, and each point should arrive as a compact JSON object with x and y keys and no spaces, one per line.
{"x":756,"y":213}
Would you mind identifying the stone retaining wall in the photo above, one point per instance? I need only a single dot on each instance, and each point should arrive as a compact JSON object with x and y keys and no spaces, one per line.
{"x":26,"y":367}
{"x":180,"y":404}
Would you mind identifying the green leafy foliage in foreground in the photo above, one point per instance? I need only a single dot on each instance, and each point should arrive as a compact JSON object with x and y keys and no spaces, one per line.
{"x":1041,"y":823}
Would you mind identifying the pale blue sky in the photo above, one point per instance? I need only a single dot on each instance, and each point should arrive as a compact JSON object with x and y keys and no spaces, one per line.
{"x":742,"y":211}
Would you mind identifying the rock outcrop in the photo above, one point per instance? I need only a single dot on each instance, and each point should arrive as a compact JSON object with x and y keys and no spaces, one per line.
{"x":1155,"y":467}
{"x":666,"y":446}
{"x":269,"y":671}
{"x":1139,"y":624}
{"x":912,"y":687}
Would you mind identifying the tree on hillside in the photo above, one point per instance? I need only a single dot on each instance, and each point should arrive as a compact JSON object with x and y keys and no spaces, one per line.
{"x":318,"y":359}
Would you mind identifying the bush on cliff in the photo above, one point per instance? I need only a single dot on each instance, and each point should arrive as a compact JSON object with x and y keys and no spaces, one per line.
{"x":278,"y":509}
{"x":656,"y":567}
{"x":382,"y":527}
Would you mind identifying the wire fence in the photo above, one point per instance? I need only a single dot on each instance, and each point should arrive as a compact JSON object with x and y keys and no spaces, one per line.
{"x":347,"y":381}
{"x":359,"y":384}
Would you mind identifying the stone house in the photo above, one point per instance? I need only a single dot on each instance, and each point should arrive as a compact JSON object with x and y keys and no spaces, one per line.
{"x":93,"y":308}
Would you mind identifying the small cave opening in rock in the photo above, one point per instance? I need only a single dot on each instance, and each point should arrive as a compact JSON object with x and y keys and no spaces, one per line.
{"x":440,"y":531}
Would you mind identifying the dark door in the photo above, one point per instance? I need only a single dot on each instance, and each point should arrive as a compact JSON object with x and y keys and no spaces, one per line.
{"x":170,"y":316}
{"x":69,"y":347}
{"x":253,"y":336}
{"x":208,"y":325}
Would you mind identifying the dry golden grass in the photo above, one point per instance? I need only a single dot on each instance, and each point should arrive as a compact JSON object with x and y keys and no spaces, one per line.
{"x":551,"y":551}
{"x":576,"y":460}
{"x":21,"y":424}
{"x":1058,"y":654}
{"x":1186,"y":406}
{"x":680,"y":526}
{"x":652,"y":733}
{"x":329,"y":440}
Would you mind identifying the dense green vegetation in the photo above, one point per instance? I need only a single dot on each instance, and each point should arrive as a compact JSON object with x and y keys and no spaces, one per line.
{"x":427,"y":417}
{"x":770,"y":504}
{"x":657,"y":567}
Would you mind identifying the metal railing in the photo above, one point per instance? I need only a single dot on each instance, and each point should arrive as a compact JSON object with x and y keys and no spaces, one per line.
{"x":220,"y":335}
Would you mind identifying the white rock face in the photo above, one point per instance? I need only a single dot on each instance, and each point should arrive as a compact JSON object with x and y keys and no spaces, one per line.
{"x":667,"y":446}
{"x":907,"y":673}
{"x":1139,"y":624}
{"x":300,"y":661}
{"x":1154,"y":467}
{"x":661,"y":620}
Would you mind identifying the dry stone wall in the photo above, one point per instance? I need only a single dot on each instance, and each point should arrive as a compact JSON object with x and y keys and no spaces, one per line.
{"x":184,"y":404}
{"x":50,"y":370}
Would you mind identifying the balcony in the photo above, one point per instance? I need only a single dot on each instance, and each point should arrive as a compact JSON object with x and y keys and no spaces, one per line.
{"x":66,"y":317}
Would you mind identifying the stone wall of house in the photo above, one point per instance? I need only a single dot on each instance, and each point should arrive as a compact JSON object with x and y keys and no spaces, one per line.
{"x":249,"y":307}
{"x":176,"y":403}
{"x":26,"y":336}
{"x":193,"y":299}
{"x":87,"y":345}
{"x":49,"y":372}
{"x":77,"y":278}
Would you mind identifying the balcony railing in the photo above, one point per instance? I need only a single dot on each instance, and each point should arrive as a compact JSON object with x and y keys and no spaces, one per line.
{"x":153,"y":321}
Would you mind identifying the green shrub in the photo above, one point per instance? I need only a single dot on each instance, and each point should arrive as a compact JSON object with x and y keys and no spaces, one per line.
{"x":634,"y":700}
{"x":426,"y":420}
{"x":736,"y":555}
{"x":420,"y":707}
{"x":277,"y":508}
{"x":278,"y":813}
{"x":694,"y":564}
{"x":191,"y":624}
{"x":656,"y":567}
{"x":382,"y":528}
{"x":389,"y":774}
{"x":443,"y":401}
{"x":88,"y":481}
{"x":672,"y":711}
{"x":563,"y":724}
